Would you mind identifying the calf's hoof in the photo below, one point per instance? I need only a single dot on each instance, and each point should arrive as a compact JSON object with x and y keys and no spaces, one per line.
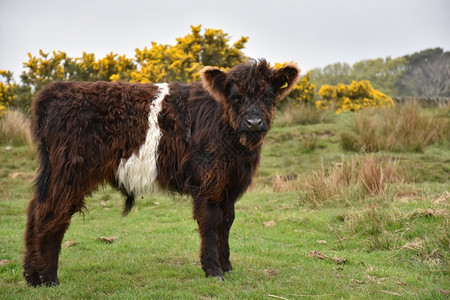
{"x":33,"y":279}
{"x":216,"y":274}
{"x":50,"y":283}
{"x":219,"y":278}
{"x":226,"y":267}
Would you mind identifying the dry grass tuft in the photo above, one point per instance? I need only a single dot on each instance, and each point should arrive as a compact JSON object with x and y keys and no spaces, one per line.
{"x":360,"y":176}
{"x":375,"y":175}
{"x":425,"y":250}
{"x":328,"y":183}
{"x":363,"y":175}
{"x":15,"y":129}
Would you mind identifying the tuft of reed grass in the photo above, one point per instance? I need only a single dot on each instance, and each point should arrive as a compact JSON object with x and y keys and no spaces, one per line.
{"x":15,"y":129}
{"x":328,"y":183}
{"x":406,"y":128}
{"x":374,"y":176}
{"x":360,"y":176}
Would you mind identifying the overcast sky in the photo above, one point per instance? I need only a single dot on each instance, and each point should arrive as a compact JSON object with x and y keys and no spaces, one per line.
{"x":313,"y":33}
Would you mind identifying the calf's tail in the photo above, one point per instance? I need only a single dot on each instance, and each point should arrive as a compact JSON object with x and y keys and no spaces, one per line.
{"x":42,"y":181}
{"x":129,"y":203}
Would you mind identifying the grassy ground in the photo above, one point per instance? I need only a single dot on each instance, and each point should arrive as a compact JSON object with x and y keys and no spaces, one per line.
{"x":355,"y":244}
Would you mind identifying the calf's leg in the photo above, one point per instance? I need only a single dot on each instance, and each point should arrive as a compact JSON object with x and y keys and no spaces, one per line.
{"x":49,"y":238}
{"x":30,"y":270}
{"x":224,"y":232}
{"x":44,"y":233}
{"x":209,"y":219}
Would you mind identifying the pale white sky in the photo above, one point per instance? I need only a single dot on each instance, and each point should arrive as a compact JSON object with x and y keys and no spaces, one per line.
{"x":313,"y":33}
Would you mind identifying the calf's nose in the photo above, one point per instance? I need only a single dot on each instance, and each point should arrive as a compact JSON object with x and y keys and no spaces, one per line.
{"x":254,"y":123}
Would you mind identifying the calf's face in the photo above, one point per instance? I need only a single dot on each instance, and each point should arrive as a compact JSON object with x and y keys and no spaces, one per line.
{"x":249,"y":93}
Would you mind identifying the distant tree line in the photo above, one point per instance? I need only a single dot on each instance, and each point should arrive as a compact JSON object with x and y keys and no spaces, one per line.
{"x":422,"y":74}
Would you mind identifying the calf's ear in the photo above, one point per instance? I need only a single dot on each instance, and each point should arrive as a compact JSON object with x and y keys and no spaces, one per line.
{"x":284,"y":80}
{"x":213,"y":81}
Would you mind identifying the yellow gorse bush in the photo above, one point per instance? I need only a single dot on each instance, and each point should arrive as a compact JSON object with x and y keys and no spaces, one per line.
{"x":304,"y":91}
{"x":352,"y":97}
{"x":6,"y":91}
{"x":113,"y":65}
{"x":183,"y":61}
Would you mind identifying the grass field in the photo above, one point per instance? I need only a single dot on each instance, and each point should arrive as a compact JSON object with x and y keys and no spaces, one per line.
{"x":319,"y":222}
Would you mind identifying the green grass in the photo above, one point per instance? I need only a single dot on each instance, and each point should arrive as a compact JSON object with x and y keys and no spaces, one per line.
{"x":395,"y":244}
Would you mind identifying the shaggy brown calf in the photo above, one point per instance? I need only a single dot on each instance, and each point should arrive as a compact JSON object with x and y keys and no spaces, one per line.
{"x":202,"y":139}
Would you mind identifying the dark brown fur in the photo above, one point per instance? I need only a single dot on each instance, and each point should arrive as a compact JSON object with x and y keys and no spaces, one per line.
{"x":210,"y":147}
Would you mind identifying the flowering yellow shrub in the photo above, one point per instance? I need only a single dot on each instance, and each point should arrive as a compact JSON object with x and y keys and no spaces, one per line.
{"x":183,"y":61}
{"x":304,"y":91}
{"x":352,"y":97}
{"x":113,"y":65}
{"x":7,"y":93}
{"x":59,"y":66}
